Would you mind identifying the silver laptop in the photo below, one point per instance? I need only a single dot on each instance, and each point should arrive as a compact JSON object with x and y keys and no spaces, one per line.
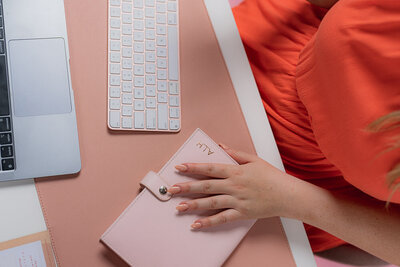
{"x":38,"y":132}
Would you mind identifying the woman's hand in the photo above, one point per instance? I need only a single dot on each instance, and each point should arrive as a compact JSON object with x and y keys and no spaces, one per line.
{"x":253,"y":189}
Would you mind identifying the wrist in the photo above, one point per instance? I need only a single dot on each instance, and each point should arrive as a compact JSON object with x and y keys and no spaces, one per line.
{"x":301,"y":200}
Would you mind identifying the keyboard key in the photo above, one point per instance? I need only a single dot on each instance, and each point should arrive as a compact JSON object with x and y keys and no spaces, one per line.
{"x":150,"y":79}
{"x":161,"y":8}
{"x":162,"y":86}
{"x":150,"y":23}
{"x":4,"y":100}
{"x":115,"y":68}
{"x":127,"y":40}
{"x":115,"y":92}
{"x":138,"y":47}
{"x":127,"y":29}
{"x":162,"y":98}
{"x":127,"y":99}
{"x":127,"y":52}
{"x":115,"y":45}
{"x":151,"y":119}
{"x":161,"y":41}
{"x":115,"y":119}
{"x":115,"y":11}
{"x":150,"y":12}
{"x":139,"y":93}
{"x":138,"y":59}
{"x":138,"y":3}
{"x":161,"y":18}
{"x":162,"y":114}
{"x":174,"y":124}
{"x":139,"y":82}
{"x":115,"y":34}
{"x":171,"y":6}
{"x":126,"y":7}
{"x":139,"y":105}
{"x":139,"y":70}
{"x":115,"y":80}
{"x":173,"y":53}
{"x":126,"y":110}
{"x":150,"y":57}
{"x":161,"y":63}
{"x":150,"y":68}
{"x":127,"y":75}
{"x":127,"y":18}
{"x":138,"y":14}
{"x":139,"y":120}
{"x":162,"y":52}
{"x":5,"y":138}
{"x":150,"y":102}
{"x":172,"y":19}
{"x":115,"y":23}
{"x":138,"y":36}
{"x":115,"y":2}
{"x":115,"y":103}
{"x":127,"y":87}
{"x":150,"y":34}
{"x":138,"y":25}
{"x":174,"y":101}
{"x":162,"y":74}
{"x":150,"y":2}
{"x":5,"y":124}
{"x":150,"y":90}
{"x":161,"y":29}
{"x":7,"y":164}
{"x":174,"y":113}
{"x":173,"y":88}
{"x":126,"y":123}
{"x":115,"y":57}
{"x":150,"y":46}
{"x":6,"y":151}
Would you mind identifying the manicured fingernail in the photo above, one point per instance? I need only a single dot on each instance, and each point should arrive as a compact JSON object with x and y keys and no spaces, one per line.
{"x":196,"y":225}
{"x":223,"y":146}
{"x":182,"y":207}
{"x":181,"y":168}
{"x":174,"y":190}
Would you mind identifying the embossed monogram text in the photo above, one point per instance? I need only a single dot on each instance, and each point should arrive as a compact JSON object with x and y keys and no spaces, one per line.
{"x":205,"y":148}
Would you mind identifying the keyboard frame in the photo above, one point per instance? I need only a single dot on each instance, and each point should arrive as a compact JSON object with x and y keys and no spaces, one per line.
{"x":10,"y":115}
{"x":133,"y":75}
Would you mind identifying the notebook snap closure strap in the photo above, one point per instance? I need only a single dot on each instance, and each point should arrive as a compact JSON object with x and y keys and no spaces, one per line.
{"x":156,"y":185}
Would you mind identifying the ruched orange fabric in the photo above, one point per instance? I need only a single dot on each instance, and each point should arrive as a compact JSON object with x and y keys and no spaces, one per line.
{"x":324,"y":76}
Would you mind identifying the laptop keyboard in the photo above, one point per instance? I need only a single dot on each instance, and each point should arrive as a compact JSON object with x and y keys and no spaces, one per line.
{"x":6,"y":140}
{"x":143,"y":65}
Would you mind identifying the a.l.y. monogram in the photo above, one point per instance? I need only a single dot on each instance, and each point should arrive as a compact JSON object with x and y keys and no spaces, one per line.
{"x":205,"y":148}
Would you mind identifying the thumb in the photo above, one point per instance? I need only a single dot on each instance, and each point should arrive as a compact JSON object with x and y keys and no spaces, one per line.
{"x":239,"y":156}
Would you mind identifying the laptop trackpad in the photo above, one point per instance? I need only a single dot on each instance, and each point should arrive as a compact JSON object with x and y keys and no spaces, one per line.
{"x":39,"y":77}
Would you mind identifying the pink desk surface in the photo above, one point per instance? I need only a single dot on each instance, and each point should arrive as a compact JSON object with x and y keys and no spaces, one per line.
{"x":78,"y":209}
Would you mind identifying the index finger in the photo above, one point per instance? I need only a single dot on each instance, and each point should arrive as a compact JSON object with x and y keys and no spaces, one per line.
{"x":207,"y":169}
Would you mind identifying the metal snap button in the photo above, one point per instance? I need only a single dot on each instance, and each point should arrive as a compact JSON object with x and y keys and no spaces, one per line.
{"x":163,"y":190}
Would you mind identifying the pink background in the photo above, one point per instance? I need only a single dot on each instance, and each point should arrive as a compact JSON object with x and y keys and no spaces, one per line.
{"x":321,"y":262}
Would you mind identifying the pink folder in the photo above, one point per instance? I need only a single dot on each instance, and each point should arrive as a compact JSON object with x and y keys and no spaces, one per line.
{"x":151,"y":225}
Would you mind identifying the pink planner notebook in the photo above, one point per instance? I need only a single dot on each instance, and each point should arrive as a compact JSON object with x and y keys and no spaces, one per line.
{"x":150,"y":232}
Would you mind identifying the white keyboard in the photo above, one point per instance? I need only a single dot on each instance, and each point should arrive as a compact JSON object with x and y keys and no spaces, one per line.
{"x":143,"y":65}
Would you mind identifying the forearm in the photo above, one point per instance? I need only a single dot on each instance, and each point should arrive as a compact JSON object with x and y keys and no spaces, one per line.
{"x":360,"y":221}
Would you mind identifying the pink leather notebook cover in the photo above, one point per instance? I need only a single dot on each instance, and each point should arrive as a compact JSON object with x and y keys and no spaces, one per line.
{"x":150,"y":232}
{"x":79,"y":209}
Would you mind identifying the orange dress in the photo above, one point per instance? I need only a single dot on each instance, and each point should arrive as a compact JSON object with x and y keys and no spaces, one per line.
{"x":324,"y":76}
